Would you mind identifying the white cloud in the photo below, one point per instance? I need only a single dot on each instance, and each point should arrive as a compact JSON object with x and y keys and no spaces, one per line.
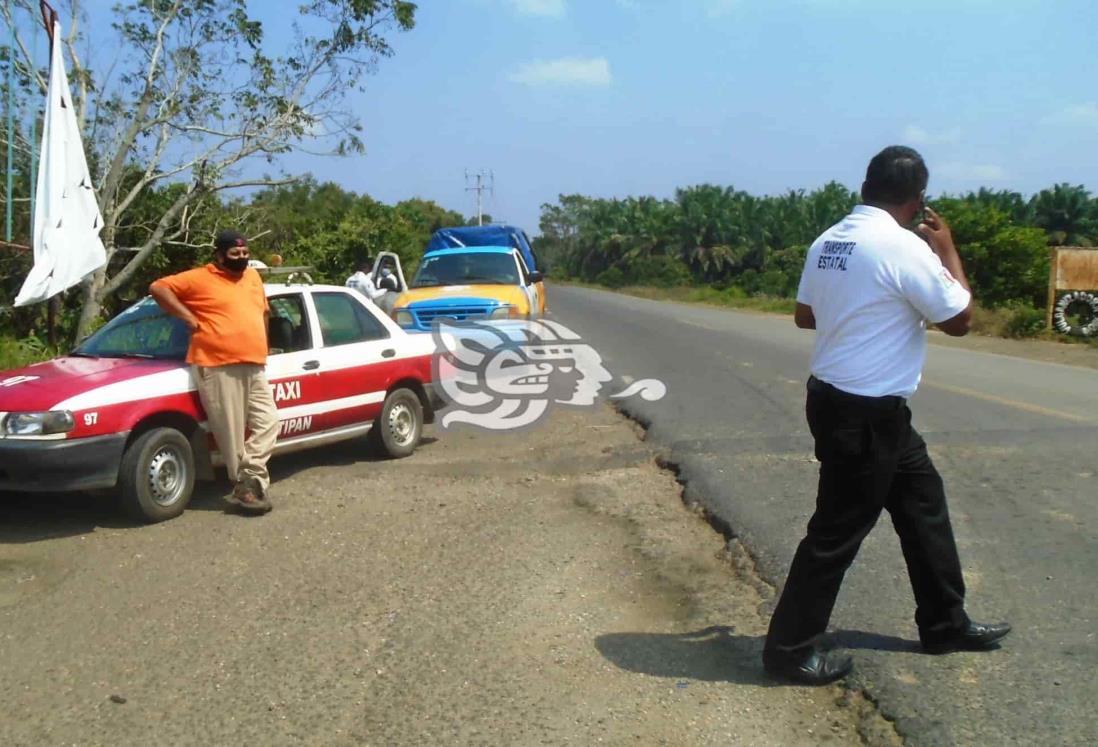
{"x":972,"y":172}
{"x":567,"y":71}
{"x":915,"y":135}
{"x":547,"y":8}
{"x":1079,"y":115}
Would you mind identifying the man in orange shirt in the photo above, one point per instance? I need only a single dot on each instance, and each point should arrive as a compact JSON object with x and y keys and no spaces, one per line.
{"x":225,"y":307}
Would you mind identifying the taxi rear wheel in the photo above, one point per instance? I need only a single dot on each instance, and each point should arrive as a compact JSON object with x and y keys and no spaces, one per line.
{"x":400,"y":424}
{"x":156,"y":478}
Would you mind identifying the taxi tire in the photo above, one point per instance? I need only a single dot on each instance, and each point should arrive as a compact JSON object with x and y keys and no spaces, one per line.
{"x":134,"y":474}
{"x":391,"y":438}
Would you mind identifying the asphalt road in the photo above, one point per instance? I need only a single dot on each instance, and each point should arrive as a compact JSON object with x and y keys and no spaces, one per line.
{"x":1014,"y":440}
{"x":544,"y":589}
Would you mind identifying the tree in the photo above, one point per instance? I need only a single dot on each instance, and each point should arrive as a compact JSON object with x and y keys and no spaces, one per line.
{"x":1003,"y":262}
{"x":195,"y":101}
{"x":1066,"y":213}
{"x":1009,"y":203}
{"x":561,"y":233}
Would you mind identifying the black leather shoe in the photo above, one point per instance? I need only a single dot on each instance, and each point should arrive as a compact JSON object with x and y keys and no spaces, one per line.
{"x":976,"y":637}
{"x":806,"y":667}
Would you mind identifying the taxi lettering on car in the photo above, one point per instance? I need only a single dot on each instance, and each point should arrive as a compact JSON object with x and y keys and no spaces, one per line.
{"x":122,"y":410}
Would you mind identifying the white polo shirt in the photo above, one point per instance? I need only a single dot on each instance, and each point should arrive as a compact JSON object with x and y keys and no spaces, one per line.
{"x":872,"y":286}
{"x":364,"y":284}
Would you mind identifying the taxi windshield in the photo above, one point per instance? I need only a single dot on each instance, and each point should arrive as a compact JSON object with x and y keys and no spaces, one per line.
{"x":141,"y":331}
{"x":466,"y":268}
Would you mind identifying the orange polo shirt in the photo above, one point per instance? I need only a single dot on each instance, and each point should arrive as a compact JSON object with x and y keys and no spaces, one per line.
{"x":229,"y":309}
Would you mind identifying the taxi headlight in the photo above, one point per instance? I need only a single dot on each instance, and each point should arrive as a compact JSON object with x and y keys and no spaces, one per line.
{"x":504,"y":311}
{"x":403,"y":318}
{"x":38,"y":423}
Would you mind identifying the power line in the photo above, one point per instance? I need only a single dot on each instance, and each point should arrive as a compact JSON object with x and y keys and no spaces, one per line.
{"x":479,"y":188}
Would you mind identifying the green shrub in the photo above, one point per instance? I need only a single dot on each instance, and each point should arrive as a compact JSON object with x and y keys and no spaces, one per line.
{"x":18,"y":353}
{"x":661,"y":271}
{"x":611,"y":277}
{"x":1015,"y":319}
{"x":1023,"y":321}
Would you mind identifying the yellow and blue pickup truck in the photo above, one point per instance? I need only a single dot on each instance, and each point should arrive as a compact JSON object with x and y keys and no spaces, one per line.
{"x":493,"y":281}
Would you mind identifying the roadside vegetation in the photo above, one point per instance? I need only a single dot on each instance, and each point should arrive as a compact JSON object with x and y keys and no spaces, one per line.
{"x":322,"y":226}
{"x":184,"y":138}
{"x":723,"y":246}
{"x":183,"y":135}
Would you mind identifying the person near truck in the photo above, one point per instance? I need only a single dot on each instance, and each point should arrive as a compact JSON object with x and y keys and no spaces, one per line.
{"x":363,"y":281}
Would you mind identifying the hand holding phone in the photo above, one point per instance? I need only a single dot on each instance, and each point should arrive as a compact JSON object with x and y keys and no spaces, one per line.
{"x":935,"y":230}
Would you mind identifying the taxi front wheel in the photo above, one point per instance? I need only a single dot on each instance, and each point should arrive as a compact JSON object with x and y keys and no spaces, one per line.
{"x":400,"y":424}
{"x":156,"y":478}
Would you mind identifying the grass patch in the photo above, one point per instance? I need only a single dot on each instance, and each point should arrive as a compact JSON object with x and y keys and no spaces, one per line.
{"x":733,"y":297}
{"x":1019,"y":321}
{"x":18,"y":353}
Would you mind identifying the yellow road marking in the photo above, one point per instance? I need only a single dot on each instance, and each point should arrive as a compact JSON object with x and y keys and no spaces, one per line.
{"x":1010,"y":402}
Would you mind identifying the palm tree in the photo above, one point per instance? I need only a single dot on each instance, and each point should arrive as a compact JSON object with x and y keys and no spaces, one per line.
{"x":1009,"y":203}
{"x":1066,"y":213}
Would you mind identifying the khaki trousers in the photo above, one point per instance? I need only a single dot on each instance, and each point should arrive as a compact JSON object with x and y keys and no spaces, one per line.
{"x":238,"y":400}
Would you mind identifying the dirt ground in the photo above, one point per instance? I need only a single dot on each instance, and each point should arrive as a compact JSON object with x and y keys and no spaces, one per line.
{"x":548,"y":587}
{"x":1066,"y":353}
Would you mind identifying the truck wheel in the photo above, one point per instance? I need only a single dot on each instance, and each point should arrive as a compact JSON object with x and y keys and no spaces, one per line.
{"x":1076,"y":313}
{"x":400,"y":424}
{"x":156,"y":477}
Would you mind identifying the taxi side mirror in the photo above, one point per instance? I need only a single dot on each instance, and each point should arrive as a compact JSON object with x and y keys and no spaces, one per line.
{"x":536,"y":277}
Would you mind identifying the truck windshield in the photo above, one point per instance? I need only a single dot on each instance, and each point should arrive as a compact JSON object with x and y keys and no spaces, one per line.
{"x":466,"y":268}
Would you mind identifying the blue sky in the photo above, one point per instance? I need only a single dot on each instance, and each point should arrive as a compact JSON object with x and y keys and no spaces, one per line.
{"x":613,"y":98}
{"x":625,"y":97}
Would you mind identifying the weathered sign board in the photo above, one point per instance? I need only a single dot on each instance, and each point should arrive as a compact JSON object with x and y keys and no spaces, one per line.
{"x":1071,"y":268}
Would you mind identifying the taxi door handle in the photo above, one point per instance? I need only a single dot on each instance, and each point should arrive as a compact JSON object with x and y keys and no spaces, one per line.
{"x":310,"y":365}
{"x":388,"y":353}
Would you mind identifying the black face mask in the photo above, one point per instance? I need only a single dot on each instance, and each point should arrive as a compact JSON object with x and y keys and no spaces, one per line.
{"x":240,"y":264}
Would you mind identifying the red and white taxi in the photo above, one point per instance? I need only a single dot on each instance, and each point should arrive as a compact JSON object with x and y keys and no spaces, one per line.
{"x":122,"y":411}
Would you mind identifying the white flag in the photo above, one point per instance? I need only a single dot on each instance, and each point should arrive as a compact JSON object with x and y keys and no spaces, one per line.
{"x":66,"y":217}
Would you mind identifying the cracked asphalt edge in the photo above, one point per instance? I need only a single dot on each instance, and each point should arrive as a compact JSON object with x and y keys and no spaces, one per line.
{"x":873,"y":726}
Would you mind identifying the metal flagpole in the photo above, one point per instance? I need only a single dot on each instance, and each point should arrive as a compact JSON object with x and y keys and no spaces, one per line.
{"x":11,"y":125}
{"x":53,"y":306}
{"x":34,"y":144}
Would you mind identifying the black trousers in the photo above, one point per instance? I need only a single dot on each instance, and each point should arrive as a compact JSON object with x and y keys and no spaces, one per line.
{"x":870,"y":459}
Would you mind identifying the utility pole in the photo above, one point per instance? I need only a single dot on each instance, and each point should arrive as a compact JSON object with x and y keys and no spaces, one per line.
{"x":480,"y":176}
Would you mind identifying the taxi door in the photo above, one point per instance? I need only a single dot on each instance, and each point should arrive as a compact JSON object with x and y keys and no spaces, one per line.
{"x":532,"y":287}
{"x":293,"y":367}
{"x":355,"y":351}
{"x":391,"y":262}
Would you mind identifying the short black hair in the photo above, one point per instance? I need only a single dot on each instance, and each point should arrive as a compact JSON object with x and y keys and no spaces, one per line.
{"x":227,"y":239}
{"x":366,"y":264}
{"x":895,"y":175}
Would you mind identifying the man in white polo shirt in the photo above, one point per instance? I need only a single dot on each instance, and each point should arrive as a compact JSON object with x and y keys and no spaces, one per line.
{"x":869,"y":288}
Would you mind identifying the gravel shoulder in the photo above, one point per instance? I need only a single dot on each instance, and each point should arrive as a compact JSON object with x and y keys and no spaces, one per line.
{"x":548,"y":587}
{"x":1066,"y":353}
